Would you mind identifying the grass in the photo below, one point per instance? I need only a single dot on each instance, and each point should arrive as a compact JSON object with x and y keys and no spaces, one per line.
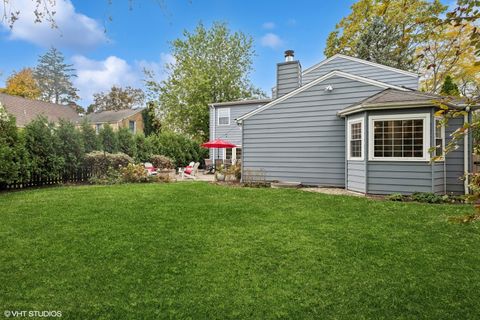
{"x":200,"y":251}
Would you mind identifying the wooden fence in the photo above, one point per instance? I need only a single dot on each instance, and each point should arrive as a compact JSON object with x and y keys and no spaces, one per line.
{"x":35,"y":180}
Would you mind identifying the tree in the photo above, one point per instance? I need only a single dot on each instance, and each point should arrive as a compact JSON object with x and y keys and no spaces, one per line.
{"x":211,"y":65}
{"x":409,"y":20}
{"x":380,"y":44}
{"x":126,"y":142}
{"x":42,"y":145}
{"x":117,"y":99}
{"x":449,"y":88}
{"x":54,"y":78}
{"x":108,"y":139}
{"x":22,"y":84}
{"x":151,"y":122}
{"x":447,"y":51}
{"x":70,"y":146}
{"x":13,"y":160}
{"x":89,"y":137}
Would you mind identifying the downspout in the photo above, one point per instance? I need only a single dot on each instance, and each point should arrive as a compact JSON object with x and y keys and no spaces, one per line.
{"x":466,"y":151}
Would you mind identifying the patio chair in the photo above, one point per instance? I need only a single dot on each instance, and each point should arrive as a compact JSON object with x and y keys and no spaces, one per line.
{"x":151,"y":170}
{"x":191,"y":173}
{"x":209,"y":168}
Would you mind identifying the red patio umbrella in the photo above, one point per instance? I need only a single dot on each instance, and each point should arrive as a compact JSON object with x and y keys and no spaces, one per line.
{"x":218,"y":144}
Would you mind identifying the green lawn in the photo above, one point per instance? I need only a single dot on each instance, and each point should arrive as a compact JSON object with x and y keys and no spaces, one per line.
{"x":199,"y":251}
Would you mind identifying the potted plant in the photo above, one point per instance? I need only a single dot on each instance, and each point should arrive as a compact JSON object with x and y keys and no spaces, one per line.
{"x":220,"y":173}
{"x":233,"y":173}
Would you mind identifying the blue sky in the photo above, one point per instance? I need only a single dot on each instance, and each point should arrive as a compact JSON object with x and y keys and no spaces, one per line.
{"x":140,"y":37}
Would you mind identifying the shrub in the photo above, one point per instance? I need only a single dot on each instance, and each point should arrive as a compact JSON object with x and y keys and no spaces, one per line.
{"x":143,"y":147}
{"x":89,"y":137}
{"x":111,"y":176}
{"x":13,"y":157}
{"x":162,"y":162}
{"x":427,"y":197}
{"x":101,"y":162}
{"x":42,"y":146}
{"x":108,"y":139}
{"x":134,"y":173}
{"x":70,"y":146}
{"x":126,"y":142}
{"x":177,"y":146}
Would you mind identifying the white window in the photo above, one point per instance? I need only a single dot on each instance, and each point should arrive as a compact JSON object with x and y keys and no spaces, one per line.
{"x":223,"y":116}
{"x":399,"y":137}
{"x":98,"y":127}
{"x":355,"y":139}
{"x":132,"y":126}
{"x":439,"y":137}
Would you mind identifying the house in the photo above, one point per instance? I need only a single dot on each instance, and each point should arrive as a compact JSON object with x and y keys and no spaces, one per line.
{"x":129,"y":118}
{"x":345,"y":122}
{"x":25,"y":110}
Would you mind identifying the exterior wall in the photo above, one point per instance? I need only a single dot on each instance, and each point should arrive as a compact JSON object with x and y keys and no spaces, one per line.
{"x":363,"y":70}
{"x":302,"y":139}
{"x":406,"y":177}
{"x":454,"y":160}
{"x":289,"y":77}
{"x":232,"y":132}
{"x":356,"y":169}
{"x":138,"y":118}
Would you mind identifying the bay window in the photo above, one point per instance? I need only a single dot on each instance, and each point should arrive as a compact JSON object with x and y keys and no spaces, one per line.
{"x":399,"y":137}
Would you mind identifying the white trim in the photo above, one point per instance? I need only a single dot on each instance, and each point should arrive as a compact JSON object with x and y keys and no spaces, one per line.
{"x":316,"y":81}
{"x":218,"y":117}
{"x":435,"y":119}
{"x":349,"y":125}
{"x":338,"y":55}
{"x":466,"y":158}
{"x":411,"y":116}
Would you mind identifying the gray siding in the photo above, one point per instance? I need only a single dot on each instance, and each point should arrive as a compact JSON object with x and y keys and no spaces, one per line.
{"x":386,"y":177}
{"x":363,"y":70}
{"x":301,"y":138}
{"x":438,"y":177}
{"x":454,"y":159}
{"x":232,"y":132}
{"x":288,"y":77}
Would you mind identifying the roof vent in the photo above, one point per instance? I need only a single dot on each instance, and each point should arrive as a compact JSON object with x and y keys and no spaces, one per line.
{"x":289,"y":54}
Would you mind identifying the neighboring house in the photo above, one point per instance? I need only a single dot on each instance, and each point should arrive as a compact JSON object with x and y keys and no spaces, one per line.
{"x":348,"y":123}
{"x":25,"y":110}
{"x":129,"y":118}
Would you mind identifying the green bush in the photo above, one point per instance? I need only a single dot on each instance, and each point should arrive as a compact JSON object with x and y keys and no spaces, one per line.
{"x":162,"y":162}
{"x":143,"y":148}
{"x":43,"y":149}
{"x":177,"y":146}
{"x":134,"y":173}
{"x":13,"y":157}
{"x":427,"y":197}
{"x":101,"y":162}
{"x":126,"y":142}
{"x":108,"y":139}
{"x":89,"y":137}
{"x":396,"y":197}
{"x":70,"y":147}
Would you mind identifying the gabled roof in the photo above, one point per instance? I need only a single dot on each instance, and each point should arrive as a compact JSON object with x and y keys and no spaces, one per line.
{"x":240,"y":102}
{"x":316,"y":81}
{"x":112,"y":116}
{"x":26,"y":110}
{"x":338,"y":55}
{"x":393,"y":98}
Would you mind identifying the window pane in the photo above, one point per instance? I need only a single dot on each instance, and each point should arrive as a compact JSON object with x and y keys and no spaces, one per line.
{"x":356,"y":140}
{"x":398,"y":138}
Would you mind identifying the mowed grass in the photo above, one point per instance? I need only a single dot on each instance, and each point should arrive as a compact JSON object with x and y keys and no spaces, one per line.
{"x":200,"y":251}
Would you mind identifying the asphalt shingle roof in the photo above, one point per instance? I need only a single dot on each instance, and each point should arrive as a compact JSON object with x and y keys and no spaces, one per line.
{"x":111,"y":116}
{"x":26,"y":110}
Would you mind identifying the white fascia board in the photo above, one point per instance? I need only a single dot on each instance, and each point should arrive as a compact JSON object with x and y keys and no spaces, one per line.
{"x":319,"y":80}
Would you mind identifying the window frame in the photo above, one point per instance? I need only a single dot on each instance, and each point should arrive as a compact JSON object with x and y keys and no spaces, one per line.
{"x":349,"y":139}
{"x":425,"y":117}
{"x":442,"y":156}
{"x":218,"y":116}
{"x":134,"y":126}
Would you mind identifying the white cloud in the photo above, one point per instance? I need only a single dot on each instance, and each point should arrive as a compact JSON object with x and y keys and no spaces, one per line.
{"x":100,"y":75}
{"x":271,"y":40}
{"x":75,"y":30}
{"x":268,"y":25}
